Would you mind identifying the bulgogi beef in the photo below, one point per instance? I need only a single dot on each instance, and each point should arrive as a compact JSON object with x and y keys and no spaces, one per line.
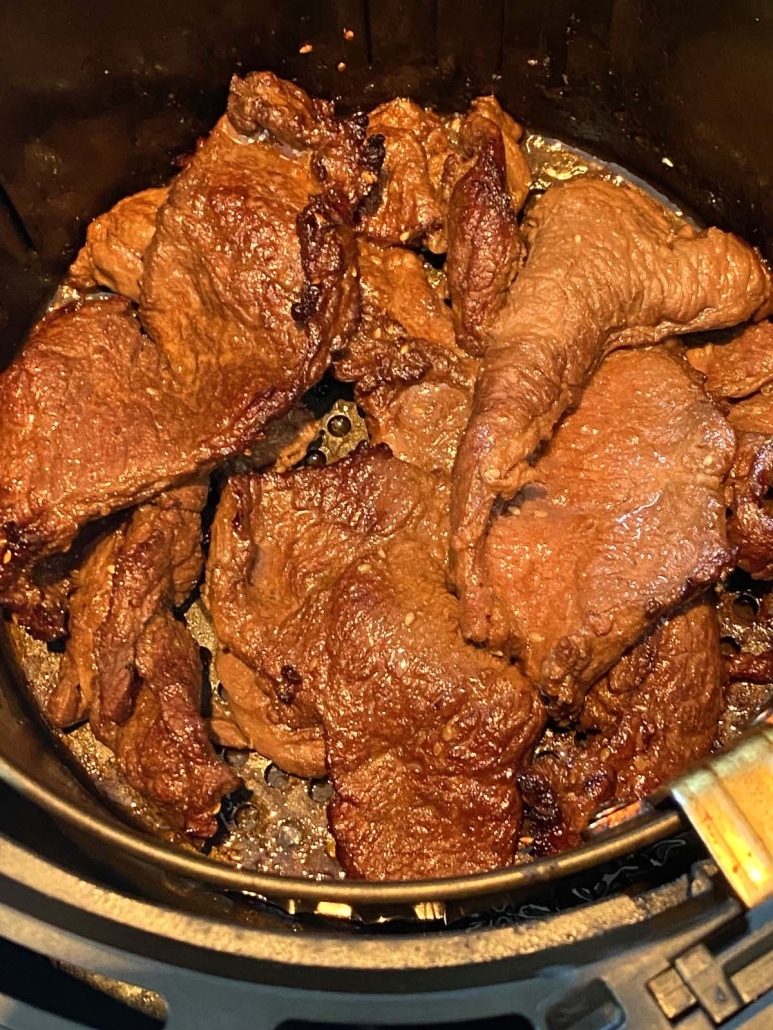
{"x":623,"y":519}
{"x":330,"y":585}
{"x":641,"y":724}
{"x":750,"y":525}
{"x":135,"y":671}
{"x":607,"y":267}
{"x":116,"y":243}
{"x":739,"y":367}
{"x":248,"y":283}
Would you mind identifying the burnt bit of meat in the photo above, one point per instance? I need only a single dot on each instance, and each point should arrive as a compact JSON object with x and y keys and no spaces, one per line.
{"x":654,"y":714}
{"x":624,"y":518}
{"x":352,"y":597}
{"x":134,"y":671}
{"x":485,"y":249}
{"x":607,"y":267}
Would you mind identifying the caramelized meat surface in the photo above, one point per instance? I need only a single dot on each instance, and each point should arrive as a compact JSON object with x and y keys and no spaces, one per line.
{"x":652,"y":715}
{"x":607,"y":267}
{"x":115,"y":245}
{"x":623,"y":519}
{"x":330,"y":585}
{"x":412,"y":381}
{"x":750,"y":526}
{"x":134,"y":671}
{"x":741,"y":366}
{"x":247,"y":286}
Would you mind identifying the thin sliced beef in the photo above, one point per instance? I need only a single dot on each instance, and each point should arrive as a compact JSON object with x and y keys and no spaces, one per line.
{"x":408,"y":194}
{"x":749,"y":485}
{"x":411,"y":380}
{"x":485,"y":250}
{"x":623,"y":519}
{"x":739,"y":367}
{"x":248,"y":283}
{"x":116,"y":243}
{"x":330,"y":585}
{"x":135,"y":671}
{"x":653,"y":715}
{"x":607,"y":267}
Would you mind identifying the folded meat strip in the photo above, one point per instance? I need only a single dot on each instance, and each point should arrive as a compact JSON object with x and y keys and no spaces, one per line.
{"x":116,"y":243}
{"x":750,"y":525}
{"x":248,"y":283}
{"x":624,"y":518}
{"x":642,"y":724}
{"x":411,"y":380}
{"x":607,"y":267}
{"x":330,"y":585}
{"x":135,"y":671}
{"x":485,"y":250}
{"x":739,"y":367}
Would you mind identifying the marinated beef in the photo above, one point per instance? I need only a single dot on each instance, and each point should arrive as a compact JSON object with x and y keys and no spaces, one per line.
{"x":739,"y":367}
{"x":623,"y":519}
{"x":485,"y":250}
{"x":411,"y":379}
{"x":248,"y":284}
{"x":134,"y":671}
{"x":116,"y":243}
{"x":607,"y":267}
{"x":748,"y":488}
{"x":653,"y":714}
{"x":330,"y":585}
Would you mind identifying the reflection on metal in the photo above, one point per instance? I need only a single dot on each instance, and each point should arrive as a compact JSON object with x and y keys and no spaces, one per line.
{"x":729,"y":801}
{"x":141,"y":999}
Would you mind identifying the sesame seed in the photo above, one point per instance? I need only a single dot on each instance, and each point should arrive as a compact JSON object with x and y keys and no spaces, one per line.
{"x":305,"y":49}
{"x":348,"y":34}
{"x":536,"y":638}
{"x":341,"y":66}
{"x":410,"y":618}
{"x":7,"y":557}
{"x":405,"y":236}
{"x":708,"y":460}
{"x":365,"y":567}
{"x":404,"y":349}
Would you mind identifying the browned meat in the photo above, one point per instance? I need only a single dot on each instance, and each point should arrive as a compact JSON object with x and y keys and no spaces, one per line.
{"x":641,"y":725}
{"x":750,"y":526}
{"x":607,"y":267}
{"x":624,"y":518}
{"x":413,"y":383}
{"x":116,"y":243}
{"x":135,"y":671}
{"x":485,"y":249}
{"x":741,"y":366}
{"x":247,"y":286}
{"x":330,"y":585}
{"x":516,"y":165}
{"x":416,"y":147}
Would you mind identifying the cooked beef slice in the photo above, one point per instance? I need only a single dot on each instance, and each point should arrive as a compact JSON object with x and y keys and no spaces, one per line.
{"x":485,"y":250}
{"x":623,"y":519}
{"x":330,"y":585}
{"x":644,"y":722}
{"x":411,"y":380}
{"x":416,"y":147}
{"x":748,"y":488}
{"x":739,"y":367}
{"x":607,"y":267}
{"x":248,"y":283}
{"x":116,"y":243}
{"x":135,"y":671}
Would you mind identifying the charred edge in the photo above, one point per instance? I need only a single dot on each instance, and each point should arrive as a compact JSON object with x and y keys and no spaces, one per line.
{"x":373,"y":157}
{"x":321,"y":227}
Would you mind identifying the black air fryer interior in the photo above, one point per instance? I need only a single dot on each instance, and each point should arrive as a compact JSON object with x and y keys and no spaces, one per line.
{"x":96,"y":101}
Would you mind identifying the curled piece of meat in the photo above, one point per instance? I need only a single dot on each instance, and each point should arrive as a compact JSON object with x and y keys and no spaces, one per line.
{"x":248,"y":284}
{"x":484,"y":244}
{"x":115,"y":245}
{"x":607,"y":267}
{"x":412,"y":381}
{"x":624,"y":519}
{"x":134,"y":671}
{"x":329,"y":585}
{"x":739,"y":367}
{"x":749,"y":485}
{"x":641,"y":725}
{"x":408,"y":194}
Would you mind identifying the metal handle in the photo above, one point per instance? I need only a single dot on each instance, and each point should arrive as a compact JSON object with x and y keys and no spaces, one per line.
{"x":729,"y":801}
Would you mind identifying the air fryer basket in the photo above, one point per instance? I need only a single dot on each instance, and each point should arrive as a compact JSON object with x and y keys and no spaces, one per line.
{"x":95,"y":102}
